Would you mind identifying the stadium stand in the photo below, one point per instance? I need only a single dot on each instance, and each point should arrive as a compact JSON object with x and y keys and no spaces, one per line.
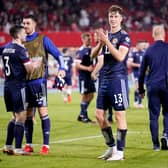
{"x":67,"y":19}
{"x":77,"y":15}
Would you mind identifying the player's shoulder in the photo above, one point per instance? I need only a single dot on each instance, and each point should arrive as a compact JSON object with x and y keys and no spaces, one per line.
{"x":13,"y":48}
{"x":150,"y":48}
{"x":159,"y":46}
{"x":124,"y":35}
{"x":81,"y":48}
{"x":123,"y":32}
{"x":20,"y":48}
{"x":8,"y":45}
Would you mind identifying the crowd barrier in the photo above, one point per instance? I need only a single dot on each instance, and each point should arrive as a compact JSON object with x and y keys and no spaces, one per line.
{"x":73,"y":39}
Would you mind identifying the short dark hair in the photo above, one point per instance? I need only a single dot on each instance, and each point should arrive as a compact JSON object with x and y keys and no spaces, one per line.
{"x":116,"y":8}
{"x":14,"y":30}
{"x":30,"y":16}
{"x":64,"y":50}
{"x":86,"y":34}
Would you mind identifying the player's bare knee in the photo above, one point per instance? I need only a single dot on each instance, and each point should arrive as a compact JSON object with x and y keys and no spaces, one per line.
{"x":100,"y":116}
{"x":91,"y":96}
{"x":30,"y":112}
{"x":20,"y":117}
{"x":43,"y":111}
{"x":119,"y":116}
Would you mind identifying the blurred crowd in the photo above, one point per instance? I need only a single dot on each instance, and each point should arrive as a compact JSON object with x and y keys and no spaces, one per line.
{"x":78,"y":15}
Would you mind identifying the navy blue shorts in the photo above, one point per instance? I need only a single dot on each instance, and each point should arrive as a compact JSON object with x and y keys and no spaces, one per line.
{"x":113,"y":92}
{"x":136,"y":75}
{"x":68,"y":80}
{"x":37,"y":93}
{"x":86,"y":86}
{"x":15,"y":96}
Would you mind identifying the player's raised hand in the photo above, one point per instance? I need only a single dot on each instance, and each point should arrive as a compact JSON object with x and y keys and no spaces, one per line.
{"x":96,"y":37}
{"x":103,"y":36}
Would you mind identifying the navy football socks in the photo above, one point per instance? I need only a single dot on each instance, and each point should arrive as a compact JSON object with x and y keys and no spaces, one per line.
{"x":29,"y":130}
{"x":46,"y":129}
{"x":83,"y":106}
{"x":121,"y":137}
{"x":108,"y":136}
{"x":18,"y":133}
{"x":10,"y":132}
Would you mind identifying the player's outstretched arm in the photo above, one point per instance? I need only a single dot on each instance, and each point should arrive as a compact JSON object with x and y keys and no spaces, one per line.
{"x":53,"y":50}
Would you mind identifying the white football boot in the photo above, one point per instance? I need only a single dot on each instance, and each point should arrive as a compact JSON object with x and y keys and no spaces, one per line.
{"x":118,"y":155}
{"x":108,"y":153}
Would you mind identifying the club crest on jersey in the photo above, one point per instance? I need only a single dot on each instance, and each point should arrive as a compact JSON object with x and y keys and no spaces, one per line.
{"x":115,"y":41}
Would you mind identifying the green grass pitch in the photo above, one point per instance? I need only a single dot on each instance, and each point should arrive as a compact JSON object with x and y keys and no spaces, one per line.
{"x":77,"y":145}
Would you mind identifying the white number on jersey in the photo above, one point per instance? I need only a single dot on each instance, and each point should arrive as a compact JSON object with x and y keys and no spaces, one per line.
{"x":118,"y":98}
{"x":107,"y":50}
{"x":7,"y":67}
{"x":66,"y":65}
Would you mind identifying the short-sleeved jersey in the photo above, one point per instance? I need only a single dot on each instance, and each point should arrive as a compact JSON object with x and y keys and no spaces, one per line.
{"x":83,"y":55}
{"x":68,"y":61}
{"x":113,"y":68}
{"x":14,"y":56}
{"x":155,"y":63}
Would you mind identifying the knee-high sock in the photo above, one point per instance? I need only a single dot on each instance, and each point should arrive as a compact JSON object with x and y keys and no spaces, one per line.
{"x":121,"y":138}
{"x":139,"y":99}
{"x":108,"y":136}
{"x":10,"y":132}
{"x":136,"y":96}
{"x":83,"y":111}
{"x":19,"y":133}
{"x":87,"y":105}
{"x":29,"y":130}
{"x":45,"y":121}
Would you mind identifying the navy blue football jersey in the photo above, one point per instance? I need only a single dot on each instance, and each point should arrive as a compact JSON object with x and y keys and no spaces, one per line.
{"x":14,"y":56}
{"x":112,"y":67}
{"x":68,"y":61}
{"x":137,"y":58}
{"x":83,"y":54}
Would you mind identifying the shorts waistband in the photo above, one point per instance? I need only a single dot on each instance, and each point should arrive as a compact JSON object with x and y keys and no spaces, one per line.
{"x":39,"y":80}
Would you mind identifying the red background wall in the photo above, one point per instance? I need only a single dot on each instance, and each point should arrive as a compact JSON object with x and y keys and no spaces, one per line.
{"x":72,"y":39}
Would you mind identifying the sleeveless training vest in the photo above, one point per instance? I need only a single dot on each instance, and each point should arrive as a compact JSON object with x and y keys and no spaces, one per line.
{"x":36,"y":51}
